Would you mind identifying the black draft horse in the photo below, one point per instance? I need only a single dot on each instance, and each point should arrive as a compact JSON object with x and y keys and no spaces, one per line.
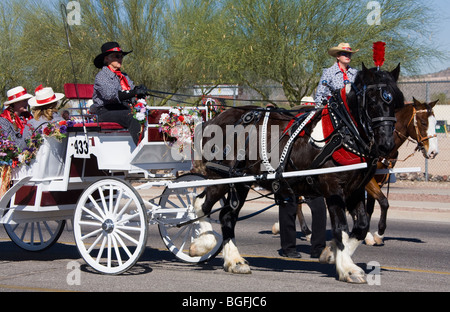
{"x":372,"y":101}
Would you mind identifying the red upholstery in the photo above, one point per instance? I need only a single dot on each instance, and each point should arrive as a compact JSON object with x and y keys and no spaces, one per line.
{"x":85,"y":91}
{"x":103,"y":125}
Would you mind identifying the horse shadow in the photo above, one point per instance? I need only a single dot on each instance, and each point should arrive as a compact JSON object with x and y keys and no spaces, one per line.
{"x":292,"y":266}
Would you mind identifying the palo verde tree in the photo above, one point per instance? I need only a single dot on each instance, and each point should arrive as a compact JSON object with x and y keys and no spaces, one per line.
{"x":286,"y":41}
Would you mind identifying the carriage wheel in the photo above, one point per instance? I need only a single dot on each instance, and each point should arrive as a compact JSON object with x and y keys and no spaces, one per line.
{"x":179,"y":239}
{"x":35,"y":236}
{"x":110,"y":226}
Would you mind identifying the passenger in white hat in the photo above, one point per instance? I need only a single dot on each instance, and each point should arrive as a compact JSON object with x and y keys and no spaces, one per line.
{"x":43,"y":106}
{"x":15,"y":116}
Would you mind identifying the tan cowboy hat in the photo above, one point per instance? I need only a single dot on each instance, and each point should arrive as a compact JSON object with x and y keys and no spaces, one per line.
{"x":44,"y":96}
{"x":342,"y":47}
{"x":16,"y":94}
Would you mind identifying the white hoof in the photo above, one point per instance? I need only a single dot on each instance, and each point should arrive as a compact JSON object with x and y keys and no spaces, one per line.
{"x":327,"y":256}
{"x":238,"y":268}
{"x":369,"y":240}
{"x":355,"y":276}
{"x":276,"y":228}
{"x":347,"y":270}
{"x":379,"y":239}
{"x":233,"y":262}
{"x":308,"y":237}
{"x":202,"y":245}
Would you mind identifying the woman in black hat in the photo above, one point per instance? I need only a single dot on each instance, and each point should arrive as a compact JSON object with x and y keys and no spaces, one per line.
{"x":112,"y":90}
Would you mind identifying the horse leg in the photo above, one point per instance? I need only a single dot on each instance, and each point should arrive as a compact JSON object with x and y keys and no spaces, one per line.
{"x":203,"y":204}
{"x":374,"y":193}
{"x":384,"y":205}
{"x":345,"y":244}
{"x":303,"y":225}
{"x":301,"y":219}
{"x":233,"y":261}
{"x":369,"y":240}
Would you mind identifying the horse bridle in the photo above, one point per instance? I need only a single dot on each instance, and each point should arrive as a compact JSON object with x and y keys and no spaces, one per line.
{"x":420,"y":139}
{"x":387,"y":98}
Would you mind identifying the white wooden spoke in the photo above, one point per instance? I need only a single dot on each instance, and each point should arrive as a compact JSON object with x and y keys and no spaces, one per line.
{"x":35,"y":236}
{"x":179,"y":239}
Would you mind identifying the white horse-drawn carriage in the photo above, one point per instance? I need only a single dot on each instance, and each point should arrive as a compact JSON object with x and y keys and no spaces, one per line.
{"x":85,"y":178}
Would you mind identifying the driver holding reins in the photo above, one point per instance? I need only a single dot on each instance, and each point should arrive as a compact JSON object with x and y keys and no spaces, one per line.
{"x":112,"y":90}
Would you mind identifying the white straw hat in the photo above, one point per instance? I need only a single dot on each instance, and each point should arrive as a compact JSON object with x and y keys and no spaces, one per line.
{"x":17,"y":94}
{"x":342,"y":47}
{"x":44,"y":96}
{"x":307,"y":101}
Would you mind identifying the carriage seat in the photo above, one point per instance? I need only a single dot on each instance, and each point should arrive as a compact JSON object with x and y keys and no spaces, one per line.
{"x":97,"y":126}
{"x":82,"y":93}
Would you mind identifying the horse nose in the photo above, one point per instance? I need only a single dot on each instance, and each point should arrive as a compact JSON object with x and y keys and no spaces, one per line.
{"x":386,"y":148}
{"x":433,"y":155}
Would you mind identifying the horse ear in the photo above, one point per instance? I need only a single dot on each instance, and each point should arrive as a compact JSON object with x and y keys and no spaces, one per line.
{"x":396,"y":72}
{"x":364,"y":68}
{"x":432,"y":104}
{"x":366,"y":72}
{"x":416,"y":103}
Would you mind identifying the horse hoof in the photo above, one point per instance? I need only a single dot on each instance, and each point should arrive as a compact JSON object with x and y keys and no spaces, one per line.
{"x":378,"y":238}
{"x":355,"y":277}
{"x":308,"y":237}
{"x":276,"y":228}
{"x":327,"y":256}
{"x":369,"y":240}
{"x":202,"y":245}
{"x":239,"y":268}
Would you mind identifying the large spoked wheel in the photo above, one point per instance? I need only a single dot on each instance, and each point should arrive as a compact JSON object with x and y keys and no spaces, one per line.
{"x":110,"y":226}
{"x":180,"y":204}
{"x":35,"y":236}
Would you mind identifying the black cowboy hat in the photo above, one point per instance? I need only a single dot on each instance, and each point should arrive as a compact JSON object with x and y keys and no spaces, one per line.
{"x":108,"y":48}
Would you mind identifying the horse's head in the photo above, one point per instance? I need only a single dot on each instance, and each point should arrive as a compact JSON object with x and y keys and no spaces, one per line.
{"x":376,"y":97}
{"x":422,"y":128}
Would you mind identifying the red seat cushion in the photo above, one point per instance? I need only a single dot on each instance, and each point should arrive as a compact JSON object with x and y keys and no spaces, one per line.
{"x":85,"y":91}
{"x":103,"y":125}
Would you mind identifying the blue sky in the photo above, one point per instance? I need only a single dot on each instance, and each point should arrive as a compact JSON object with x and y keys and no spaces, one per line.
{"x":441,"y":36}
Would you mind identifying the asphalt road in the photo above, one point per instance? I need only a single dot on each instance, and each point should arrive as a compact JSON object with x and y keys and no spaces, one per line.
{"x":414,"y":258}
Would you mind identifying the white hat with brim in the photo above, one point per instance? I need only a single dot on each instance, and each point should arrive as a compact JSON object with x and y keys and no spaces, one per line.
{"x":307,"y":101}
{"x":45,"y":96}
{"x":17,"y":94}
{"x":342,"y":47}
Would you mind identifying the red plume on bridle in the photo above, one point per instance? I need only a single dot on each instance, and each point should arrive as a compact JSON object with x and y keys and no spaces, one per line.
{"x":378,"y":53}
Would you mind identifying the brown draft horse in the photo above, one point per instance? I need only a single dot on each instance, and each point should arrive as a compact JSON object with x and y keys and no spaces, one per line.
{"x":367,"y":128}
{"x":415,"y":121}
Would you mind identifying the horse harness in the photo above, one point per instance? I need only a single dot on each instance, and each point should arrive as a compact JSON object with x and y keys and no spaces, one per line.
{"x":345,"y":135}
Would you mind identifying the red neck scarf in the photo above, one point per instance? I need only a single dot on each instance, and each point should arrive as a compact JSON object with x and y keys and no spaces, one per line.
{"x":344,"y":72}
{"x":123,"y":80}
{"x":7,"y":115}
